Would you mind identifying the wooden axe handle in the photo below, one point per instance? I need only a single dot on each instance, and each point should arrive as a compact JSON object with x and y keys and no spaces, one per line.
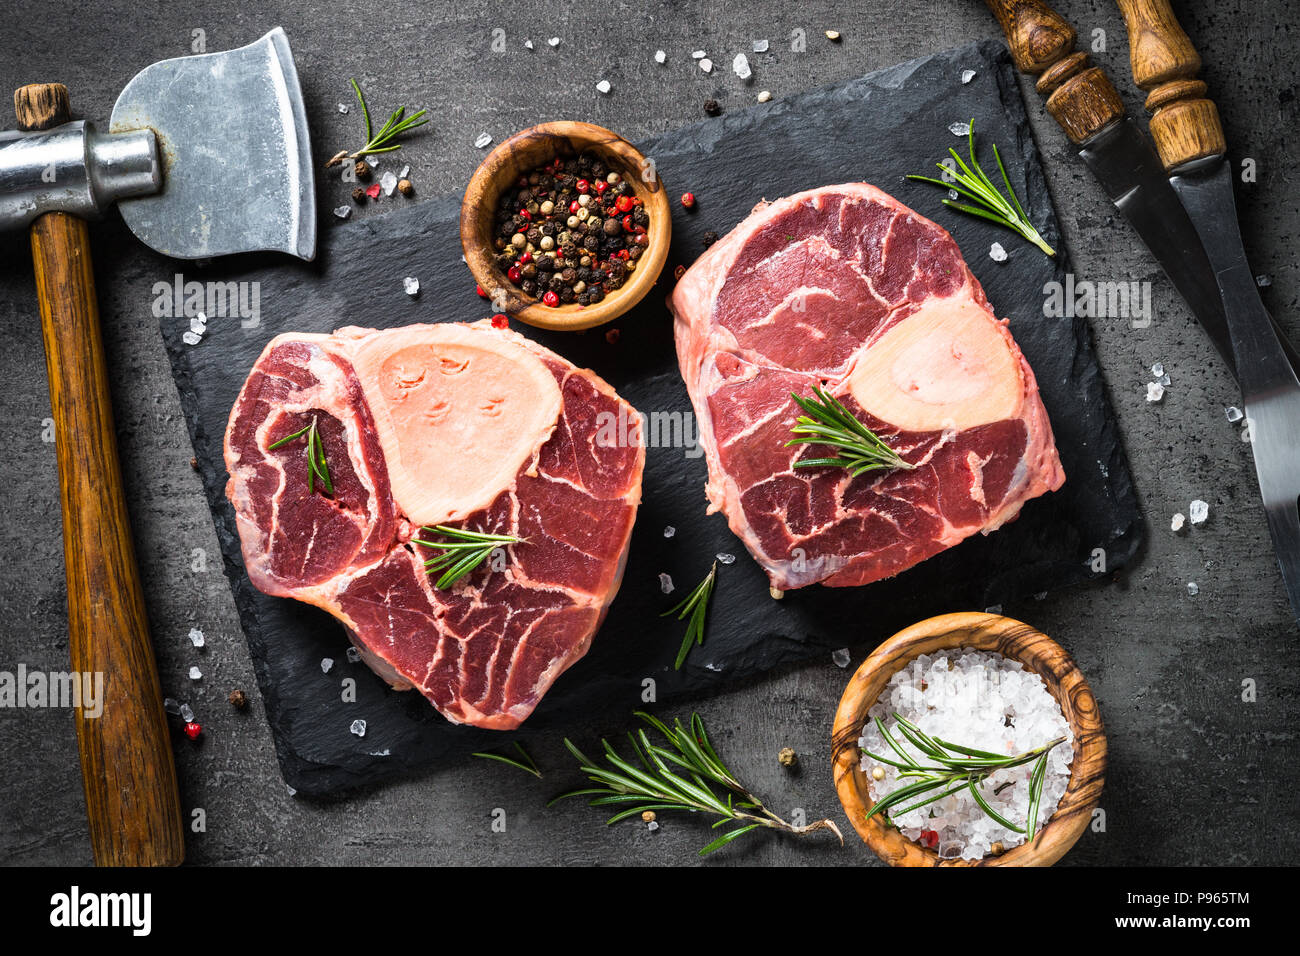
{"x":1080,"y":97}
{"x":126,"y":756}
{"x":1185,"y":124}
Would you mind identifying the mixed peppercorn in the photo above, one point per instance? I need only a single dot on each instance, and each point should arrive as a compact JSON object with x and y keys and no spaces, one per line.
{"x":570,"y":232}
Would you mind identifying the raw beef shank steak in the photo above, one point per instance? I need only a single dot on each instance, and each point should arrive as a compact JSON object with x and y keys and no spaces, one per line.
{"x":465,"y":426}
{"x":845,"y":288}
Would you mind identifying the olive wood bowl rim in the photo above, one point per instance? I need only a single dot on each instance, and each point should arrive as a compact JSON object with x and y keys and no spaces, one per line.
{"x":986,"y":632}
{"x":526,"y":150}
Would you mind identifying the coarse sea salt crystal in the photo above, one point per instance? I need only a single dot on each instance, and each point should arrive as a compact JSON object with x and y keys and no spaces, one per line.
{"x":186,"y":712}
{"x":344,"y":108}
{"x":1165,"y":380}
{"x":1233,"y":414}
{"x":841,"y":657}
{"x":196,"y":674}
{"x":652,"y":826}
{"x":706,"y":65}
{"x":358,"y":727}
{"x":388,"y":182}
{"x":1198,"y":511}
{"x":354,"y":655}
{"x":993,"y":609}
{"x":666,"y":583}
{"x":406,"y":171}
{"x":602,"y":86}
{"x":660,"y":56}
{"x":759,"y":46}
{"x":967,"y":76}
{"x":725,"y":558}
{"x":698,"y":55}
{"x":669,"y":531}
{"x":1155,"y":391}
{"x":1193,"y":589}
{"x":959,"y":129}
{"x":740,"y":66}
{"x":1158,"y":369}
{"x":343,"y":211}
{"x":765,"y":96}
{"x":1263,"y":281}
{"x":196,"y":637}
{"x":482,"y":140}
{"x":553,"y":41}
{"x":411,"y":286}
{"x":997,"y":253}
{"x":528,"y":44}
{"x":1177,"y":522}
{"x":171,"y":706}
{"x":326,"y":664}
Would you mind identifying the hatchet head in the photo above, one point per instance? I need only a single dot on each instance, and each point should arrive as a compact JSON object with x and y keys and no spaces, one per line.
{"x":232,"y":139}
{"x":205,"y":156}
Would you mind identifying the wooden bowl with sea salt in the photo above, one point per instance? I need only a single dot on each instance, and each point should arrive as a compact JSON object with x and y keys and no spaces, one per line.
{"x":990,"y":633}
{"x":520,"y":154}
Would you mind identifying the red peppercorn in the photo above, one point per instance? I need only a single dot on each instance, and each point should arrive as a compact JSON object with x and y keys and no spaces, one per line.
{"x":625,"y":204}
{"x":930,"y":838}
{"x":373,"y":190}
{"x":574,"y":207}
{"x":481,"y":291}
{"x":525,"y":215}
{"x":551,"y":299}
{"x":611,"y":336}
{"x":513,"y":274}
{"x":526,"y":258}
{"x":679,"y":272}
{"x":500,"y":321}
{"x":601,"y":186}
{"x":193,"y":730}
{"x":629,"y":224}
{"x":688,"y":200}
{"x":584,"y":186}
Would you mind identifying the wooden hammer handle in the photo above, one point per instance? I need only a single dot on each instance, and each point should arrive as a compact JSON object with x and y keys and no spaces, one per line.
{"x":1185,"y":124}
{"x":126,"y":756}
{"x":1079,"y":96}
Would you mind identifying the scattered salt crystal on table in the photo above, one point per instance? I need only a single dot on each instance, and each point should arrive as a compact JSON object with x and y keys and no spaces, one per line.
{"x":186,"y":713}
{"x":698,"y":55}
{"x":358,"y":727}
{"x":343,"y":211}
{"x":666,"y":583}
{"x":706,"y":65}
{"x":1193,"y":589}
{"x":388,"y":182}
{"x":1198,"y":511}
{"x":765,"y":96}
{"x":411,"y":286}
{"x":1158,"y":369}
{"x":528,"y":44}
{"x":1155,"y":391}
{"x":652,"y":826}
{"x":292,"y":791}
{"x":196,"y":674}
{"x":482,"y":140}
{"x":740,"y":66}
{"x":1233,"y":413}
{"x":406,"y":171}
{"x":993,"y":609}
{"x":669,"y":531}
{"x":344,"y":108}
{"x":190,"y":338}
{"x":760,"y":46}
{"x":725,"y":558}
{"x":1263,"y":281}
{"x":959,"y":129}
{"x":354,"y":655}
{"x":171,"y":706}
{"x":326,"y":664}
{"x":1177,"y":522}
{"x":953,"y":194}
{"x":660,"y":56}
{"x":967,"y":75}
{"x":602,"y":86}
{"x":196,"y":637}
{"x":1165,"y":380}
{"x":997,"y":253}
{"x":553,"y":41}
{"x":840,"y":657}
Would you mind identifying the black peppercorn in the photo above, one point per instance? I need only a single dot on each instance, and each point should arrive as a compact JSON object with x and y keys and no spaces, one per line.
{"x":712,"y":107}
{"x":358,"y":195}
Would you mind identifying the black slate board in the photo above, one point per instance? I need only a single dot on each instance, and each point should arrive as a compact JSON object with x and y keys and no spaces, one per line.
{"x":877,"y":128}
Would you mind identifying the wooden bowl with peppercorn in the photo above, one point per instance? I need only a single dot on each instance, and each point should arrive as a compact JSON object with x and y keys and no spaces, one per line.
{"x":565,"y":226}
{"x":994,"y":635}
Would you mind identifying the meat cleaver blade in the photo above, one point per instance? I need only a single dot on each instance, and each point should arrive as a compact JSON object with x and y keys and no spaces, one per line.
{"x":236,"y":155}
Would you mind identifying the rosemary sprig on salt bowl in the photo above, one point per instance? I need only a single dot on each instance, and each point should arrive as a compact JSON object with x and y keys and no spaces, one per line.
{"x":1007,"y":692}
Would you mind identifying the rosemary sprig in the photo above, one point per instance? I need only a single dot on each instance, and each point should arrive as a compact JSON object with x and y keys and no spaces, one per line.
{"x":959,"y":768}
{"x":697,"y":606}
{"x":988,"y":203}
{"x":685,"y":775}
{"x":828,"y":422}
{"x":464,"y":552}
{"x":382,"y":142}
{"x":527,"y":765}
{"x":317,"y":468}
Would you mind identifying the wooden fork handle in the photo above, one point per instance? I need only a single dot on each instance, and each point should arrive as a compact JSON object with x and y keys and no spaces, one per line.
{"x":1185,"y":124}
{"x":1080,"y":97}
{"x":126,"y":757}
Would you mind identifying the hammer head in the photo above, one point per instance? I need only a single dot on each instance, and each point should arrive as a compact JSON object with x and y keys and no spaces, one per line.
{"x":232,"y":140}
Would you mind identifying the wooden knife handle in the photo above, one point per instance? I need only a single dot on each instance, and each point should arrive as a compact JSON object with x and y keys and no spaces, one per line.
{"x":126,"y":756}
{"x":1080,"y":97}
{"x":1184,"y":124}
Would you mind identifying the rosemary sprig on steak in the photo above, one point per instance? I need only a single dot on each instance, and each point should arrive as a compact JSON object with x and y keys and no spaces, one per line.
{"x":526,"y":764}
{"x":827,"y":422}
{"x":462,"y":552}
{"x":958,"y":768}
{"x":687,"y":774}
{"x":317,"y":469}
{"x":697,"y":606}
{"x":988,"y":203}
